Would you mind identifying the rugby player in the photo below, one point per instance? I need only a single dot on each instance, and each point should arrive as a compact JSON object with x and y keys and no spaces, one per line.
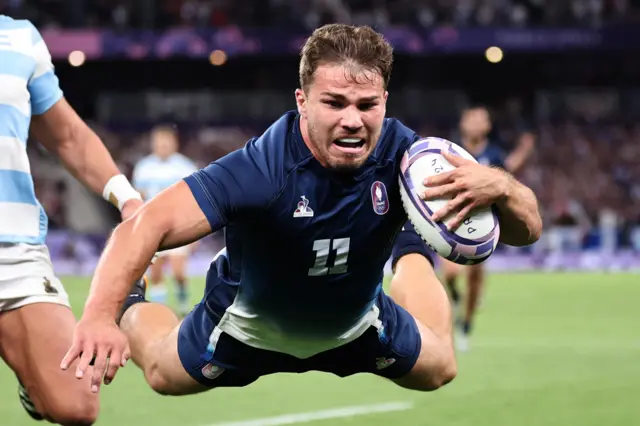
{"x":36,"y":322}
{"x":151,"y":175}
{"x":475,"y":137}
{"x":311,"y":210}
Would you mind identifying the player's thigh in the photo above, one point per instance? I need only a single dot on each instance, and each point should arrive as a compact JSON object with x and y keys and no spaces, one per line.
{"x":35,"y":335}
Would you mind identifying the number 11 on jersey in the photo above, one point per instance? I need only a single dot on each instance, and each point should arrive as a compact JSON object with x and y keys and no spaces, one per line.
{"x":322,"y":249}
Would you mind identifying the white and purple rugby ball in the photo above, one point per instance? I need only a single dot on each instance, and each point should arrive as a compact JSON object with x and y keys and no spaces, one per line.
{"x":475,"y":240}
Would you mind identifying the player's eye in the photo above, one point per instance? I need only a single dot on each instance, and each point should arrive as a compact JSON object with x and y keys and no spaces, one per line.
{"x":333,"y":104}
{"x":366,"y":106}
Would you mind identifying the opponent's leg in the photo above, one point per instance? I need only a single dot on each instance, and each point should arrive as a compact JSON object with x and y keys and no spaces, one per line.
{"x":158,"y":291}
{"x":417,"y":289}
{"x":450,"y":272}
{"x":475,"y":282}
{"x":35,"y":337}
{"x":152,"y":330}
{"x":178,"y":264}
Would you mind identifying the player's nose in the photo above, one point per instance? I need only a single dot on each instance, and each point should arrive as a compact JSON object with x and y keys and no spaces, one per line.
{"x":352,"y":120}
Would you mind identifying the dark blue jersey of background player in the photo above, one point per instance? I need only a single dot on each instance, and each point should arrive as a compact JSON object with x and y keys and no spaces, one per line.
{"x":306,"y":246}
{"x":475,"y":137}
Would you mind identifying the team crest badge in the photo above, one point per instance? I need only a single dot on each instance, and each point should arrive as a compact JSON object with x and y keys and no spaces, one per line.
{"x":379,"y":198}
{"x":303,"y":209}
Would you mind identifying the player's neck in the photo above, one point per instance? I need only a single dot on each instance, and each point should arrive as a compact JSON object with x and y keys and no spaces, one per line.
{"x":475,"y":145}
{"x":304,"y":132}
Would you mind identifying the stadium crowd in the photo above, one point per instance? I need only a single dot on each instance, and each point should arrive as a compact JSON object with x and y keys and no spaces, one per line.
{"x":381,"y":13}
{"x":581,"y":172}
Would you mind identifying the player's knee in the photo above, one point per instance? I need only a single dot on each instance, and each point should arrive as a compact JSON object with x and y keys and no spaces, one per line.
{"x":439,"y":376}
{"x":432,"y":376}
{"x":78,"y":411}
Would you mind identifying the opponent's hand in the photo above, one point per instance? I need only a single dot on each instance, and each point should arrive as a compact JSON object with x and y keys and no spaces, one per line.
{"x":130,"y":208}
{"x":470,"y":186}
{"x":98,"y":337}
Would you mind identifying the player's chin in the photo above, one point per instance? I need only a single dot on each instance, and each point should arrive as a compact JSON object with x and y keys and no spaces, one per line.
{"x":346,"y":163}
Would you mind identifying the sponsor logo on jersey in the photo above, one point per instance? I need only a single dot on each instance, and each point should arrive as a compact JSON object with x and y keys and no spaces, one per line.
{"x":211,"y":371}
{"x":303,"y":209}
{"x":382,"y":363}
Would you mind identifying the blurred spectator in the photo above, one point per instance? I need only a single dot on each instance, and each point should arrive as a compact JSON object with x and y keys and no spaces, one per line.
{"x":380,"y":13}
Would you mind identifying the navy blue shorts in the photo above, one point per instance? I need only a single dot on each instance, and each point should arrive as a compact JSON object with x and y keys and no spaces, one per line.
{"x":390,"y":353}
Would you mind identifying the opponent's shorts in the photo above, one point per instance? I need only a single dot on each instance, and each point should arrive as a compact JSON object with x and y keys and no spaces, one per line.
{"x":389,"y":349}
{"x":178,"y":251}
{"x":26,"y":277}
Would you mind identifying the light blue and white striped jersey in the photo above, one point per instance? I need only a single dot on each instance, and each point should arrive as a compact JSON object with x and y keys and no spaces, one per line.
{"x":152,"y":174}
{"x":28,"y":86}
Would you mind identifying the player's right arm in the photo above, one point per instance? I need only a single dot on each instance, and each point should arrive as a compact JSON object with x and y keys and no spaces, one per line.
{"x":233,"y":186}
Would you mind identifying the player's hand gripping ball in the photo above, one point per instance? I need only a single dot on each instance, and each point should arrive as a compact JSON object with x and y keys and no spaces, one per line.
{"x":474,"y":237}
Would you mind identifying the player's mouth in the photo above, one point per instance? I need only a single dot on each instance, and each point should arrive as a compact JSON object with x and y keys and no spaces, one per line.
{"x":350,"y":145}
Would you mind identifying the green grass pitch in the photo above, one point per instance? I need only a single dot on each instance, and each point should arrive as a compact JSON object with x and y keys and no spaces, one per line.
{"x":548,"y":349}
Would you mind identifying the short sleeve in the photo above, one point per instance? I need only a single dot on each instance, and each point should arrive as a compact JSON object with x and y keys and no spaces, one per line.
{"x":43,"y":85}
{"x":237,"y":185}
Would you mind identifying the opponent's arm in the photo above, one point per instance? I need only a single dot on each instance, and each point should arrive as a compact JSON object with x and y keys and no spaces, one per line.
{"x":472,"y":185}
{"x":517,"y":158}
{"x":66,"y":135}
{"x":173,"y":218}
{"x":57,"y":126}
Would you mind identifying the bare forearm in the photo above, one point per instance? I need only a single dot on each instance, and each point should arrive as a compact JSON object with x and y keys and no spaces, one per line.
{"x":86,"y":157}
{"x":520,"y":221}
{"x":171,"y":219}
{"x":124,"y":260}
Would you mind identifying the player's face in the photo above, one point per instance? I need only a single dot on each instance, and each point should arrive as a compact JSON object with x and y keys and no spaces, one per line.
{"x":475,"y":123}
{"x":164,"y":144}
{"x":342,"y":114}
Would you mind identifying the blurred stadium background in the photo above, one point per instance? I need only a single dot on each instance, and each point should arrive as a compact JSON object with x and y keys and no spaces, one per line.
{"x":555,"y":342}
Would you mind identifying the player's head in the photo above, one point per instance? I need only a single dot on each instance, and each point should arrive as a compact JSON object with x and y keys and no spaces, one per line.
{"x":475,"y":123}
{"x":344,"y":73}
{"x":164,"y":141}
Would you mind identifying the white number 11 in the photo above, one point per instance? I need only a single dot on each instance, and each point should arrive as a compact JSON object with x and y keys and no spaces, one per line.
{"x":322,"y":249}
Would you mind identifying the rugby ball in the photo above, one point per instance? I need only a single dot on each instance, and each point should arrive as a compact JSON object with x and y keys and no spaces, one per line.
{"x":473,"y":241}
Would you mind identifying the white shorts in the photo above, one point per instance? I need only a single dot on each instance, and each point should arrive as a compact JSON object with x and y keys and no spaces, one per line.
{"x":26,"y":277}
{"x":178,"y":251}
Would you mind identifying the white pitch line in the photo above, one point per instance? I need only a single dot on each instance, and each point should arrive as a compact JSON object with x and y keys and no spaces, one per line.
{"x":288,"y":419}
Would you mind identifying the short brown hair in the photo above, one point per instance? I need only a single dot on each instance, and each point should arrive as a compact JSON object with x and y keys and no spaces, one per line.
{"x":345,"y":44}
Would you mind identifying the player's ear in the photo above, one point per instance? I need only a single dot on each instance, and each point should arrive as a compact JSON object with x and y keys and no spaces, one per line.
{"x":301,"y":102}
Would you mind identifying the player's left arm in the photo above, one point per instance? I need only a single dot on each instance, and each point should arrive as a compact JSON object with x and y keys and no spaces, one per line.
{"x":57,"y":126}
{"x":471,"y":186}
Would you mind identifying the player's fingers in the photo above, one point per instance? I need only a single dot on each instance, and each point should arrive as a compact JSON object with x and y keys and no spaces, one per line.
{"x":88,"y":351}
{"x":115,"y":361}
{"x":460,"y":217}
{"x":99,"y":368}
{"x":455,"y":204}
{"x":126,"y":354}
{"x":74,"y":352}
{"x":440,"y":179}
{"x":440,"y":191}
{"x":455,"y":160}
